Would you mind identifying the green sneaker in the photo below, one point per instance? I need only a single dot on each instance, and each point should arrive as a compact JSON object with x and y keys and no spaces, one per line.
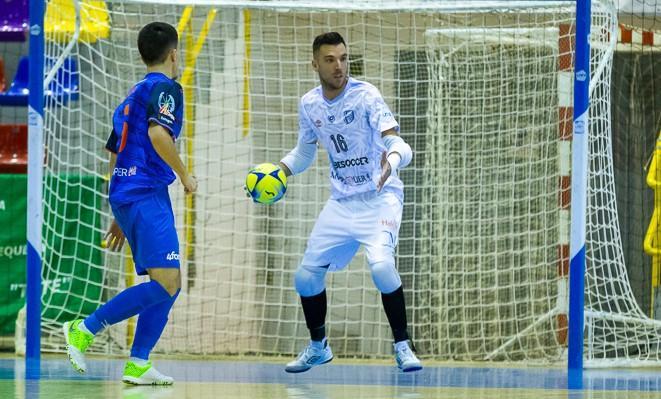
{"x":144,"y":375}
{"x":77,"y":343}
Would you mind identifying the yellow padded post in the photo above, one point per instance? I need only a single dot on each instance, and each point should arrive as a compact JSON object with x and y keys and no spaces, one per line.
{"x":653,"y":235}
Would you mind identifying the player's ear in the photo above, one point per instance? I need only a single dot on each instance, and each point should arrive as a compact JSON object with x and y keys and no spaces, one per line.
{"x":315,"y":65}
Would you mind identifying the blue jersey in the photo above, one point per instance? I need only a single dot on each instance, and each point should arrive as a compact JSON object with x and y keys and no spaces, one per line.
{"x":139,"y":170}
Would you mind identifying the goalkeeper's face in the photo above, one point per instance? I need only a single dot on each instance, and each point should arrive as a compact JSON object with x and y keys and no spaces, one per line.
{"x":331,"y":64}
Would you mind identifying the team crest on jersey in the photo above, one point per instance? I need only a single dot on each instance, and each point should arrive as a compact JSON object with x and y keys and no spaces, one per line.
{"x":317,"y":123}
{"x":166,"y":104}
{"x":348,"y":116}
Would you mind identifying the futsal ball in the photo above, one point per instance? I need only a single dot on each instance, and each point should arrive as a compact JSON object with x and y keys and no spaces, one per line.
{"x":266,"y":183}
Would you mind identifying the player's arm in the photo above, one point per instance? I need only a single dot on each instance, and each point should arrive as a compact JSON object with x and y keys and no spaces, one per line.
{"x":114,"y":238}
{"x":398,"y":155}
{"x":111,"y":163}
{"x":164,"y":145}
{"x":302,"y":156}
{"x":299,"y":159}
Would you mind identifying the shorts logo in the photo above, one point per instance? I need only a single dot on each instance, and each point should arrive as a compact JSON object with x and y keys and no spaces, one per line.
{"x":389,"y":239}
{"x":389,"y":223}
{"x":172,"y":256}
{"x":348,"y":116}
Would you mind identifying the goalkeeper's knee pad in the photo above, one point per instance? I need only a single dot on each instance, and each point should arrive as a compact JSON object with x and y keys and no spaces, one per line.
{"x":310,"y":280}
{"x":385,"y":276}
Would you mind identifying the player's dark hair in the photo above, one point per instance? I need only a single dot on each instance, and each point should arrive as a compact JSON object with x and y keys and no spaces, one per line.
{"x":332,"y":38}
{"x":155,"y":41}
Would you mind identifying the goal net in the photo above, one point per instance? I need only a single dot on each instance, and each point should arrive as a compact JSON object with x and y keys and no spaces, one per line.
{"x":482,"y":91}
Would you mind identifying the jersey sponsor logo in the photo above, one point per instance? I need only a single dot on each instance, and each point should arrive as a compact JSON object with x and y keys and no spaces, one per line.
{"x":357,"y":180}
{"x":166,"y":105}
{"x":387,"y":115}
{"x":350,"y":162}
{"x":172,"y":256}
{"x":348,"y":116}
{"x":125,"y":171}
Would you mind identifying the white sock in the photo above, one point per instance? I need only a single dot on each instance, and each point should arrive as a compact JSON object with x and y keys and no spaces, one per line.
{"x":138,"y":361}
{"x":82,"y":327}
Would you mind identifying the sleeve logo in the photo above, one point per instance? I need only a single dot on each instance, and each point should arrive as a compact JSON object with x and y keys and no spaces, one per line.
{"x":166,"y":105}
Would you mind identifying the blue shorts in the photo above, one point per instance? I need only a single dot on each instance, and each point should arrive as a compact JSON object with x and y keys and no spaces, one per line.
{"x":148,"y":225}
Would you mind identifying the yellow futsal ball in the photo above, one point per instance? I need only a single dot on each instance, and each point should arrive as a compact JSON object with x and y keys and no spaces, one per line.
{"x":266,"y":183}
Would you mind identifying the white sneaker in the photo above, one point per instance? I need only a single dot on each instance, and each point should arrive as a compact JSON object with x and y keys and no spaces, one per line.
{"x":144,"y":375}
{"x":406,"y":359}
{"x":315,"y":354}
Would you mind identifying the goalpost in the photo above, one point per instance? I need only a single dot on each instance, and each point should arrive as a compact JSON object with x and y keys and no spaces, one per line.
{"x":483,"y":93}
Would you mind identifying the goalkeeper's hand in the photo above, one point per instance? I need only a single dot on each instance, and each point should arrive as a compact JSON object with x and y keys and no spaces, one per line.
{"x":114,"y":238}
{"x":386,"y":171}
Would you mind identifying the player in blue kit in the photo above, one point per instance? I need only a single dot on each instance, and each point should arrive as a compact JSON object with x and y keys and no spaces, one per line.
{"x":143,"y":163}
{"x":350,"y":119}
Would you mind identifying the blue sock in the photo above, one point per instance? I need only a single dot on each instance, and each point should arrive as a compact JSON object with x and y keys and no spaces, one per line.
{"x":127,"y":303}
{"x":151,"y":323}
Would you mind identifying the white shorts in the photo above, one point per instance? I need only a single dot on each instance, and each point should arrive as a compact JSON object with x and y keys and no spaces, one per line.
{"x":370,"y":219}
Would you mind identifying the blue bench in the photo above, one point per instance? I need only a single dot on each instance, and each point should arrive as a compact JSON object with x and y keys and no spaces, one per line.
{"x":62,"y":89}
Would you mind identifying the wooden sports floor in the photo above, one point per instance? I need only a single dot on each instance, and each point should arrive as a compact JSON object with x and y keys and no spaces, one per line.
{"x":341,"y":379}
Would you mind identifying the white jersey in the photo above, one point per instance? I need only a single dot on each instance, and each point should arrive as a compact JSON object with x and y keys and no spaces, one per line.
{"x":349,"y":127}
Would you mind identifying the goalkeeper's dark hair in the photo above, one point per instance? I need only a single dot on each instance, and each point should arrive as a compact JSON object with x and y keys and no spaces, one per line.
{"x":332,"y":38}
{"x":155,"y":41}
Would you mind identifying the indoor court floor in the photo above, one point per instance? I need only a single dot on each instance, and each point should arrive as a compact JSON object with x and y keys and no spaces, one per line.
{"x":257,"y":379}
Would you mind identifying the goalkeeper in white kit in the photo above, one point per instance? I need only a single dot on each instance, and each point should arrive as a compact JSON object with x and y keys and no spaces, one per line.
{"x":350,"y":119}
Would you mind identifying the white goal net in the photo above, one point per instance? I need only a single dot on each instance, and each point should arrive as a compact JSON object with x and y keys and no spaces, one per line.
{"x":482,"y":91}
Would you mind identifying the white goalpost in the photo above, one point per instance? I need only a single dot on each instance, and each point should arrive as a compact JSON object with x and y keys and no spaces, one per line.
{"x":483,"y":93}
